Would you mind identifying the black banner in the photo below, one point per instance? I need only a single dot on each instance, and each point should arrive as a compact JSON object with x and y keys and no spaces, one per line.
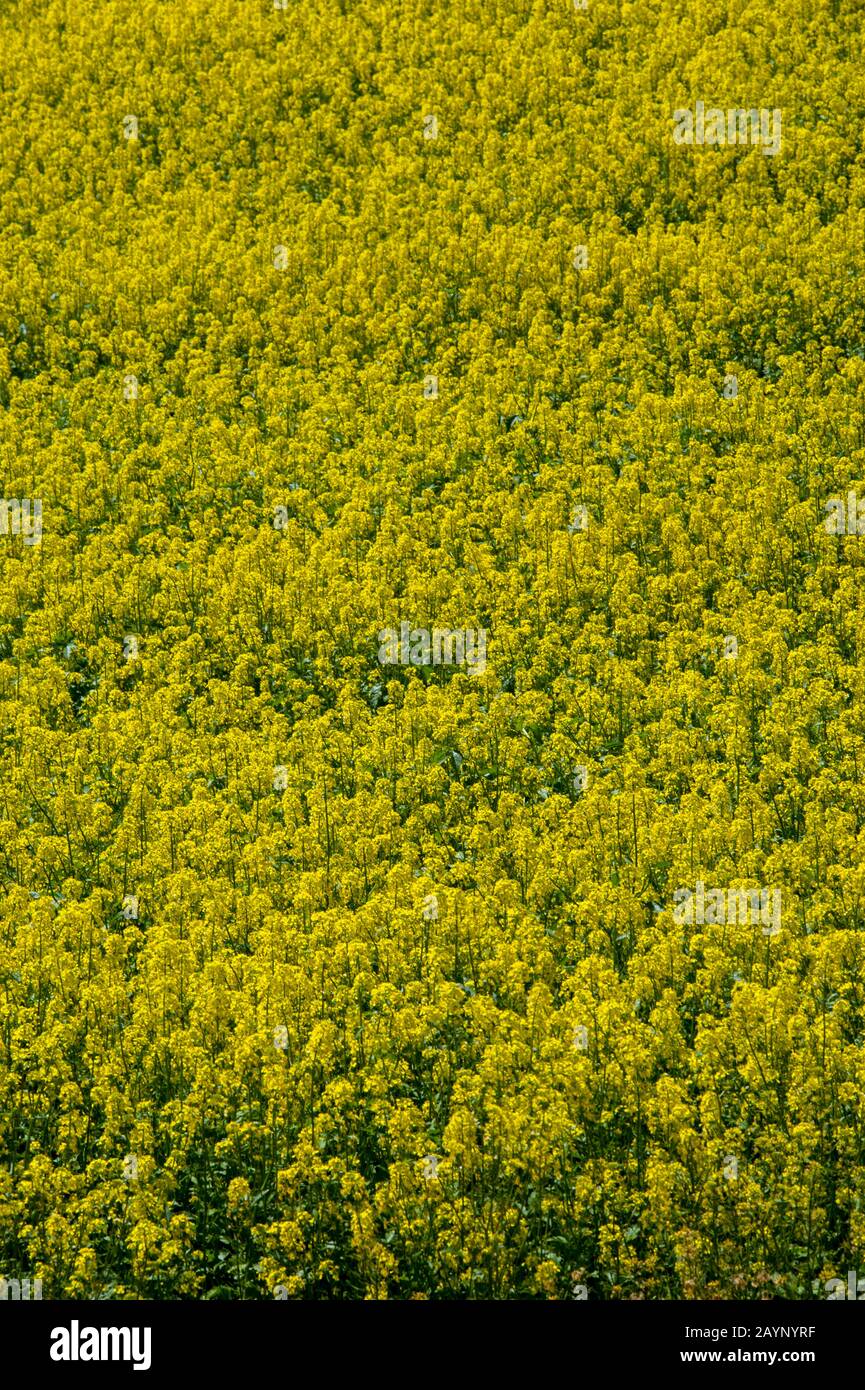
{"x":80,"y":1342}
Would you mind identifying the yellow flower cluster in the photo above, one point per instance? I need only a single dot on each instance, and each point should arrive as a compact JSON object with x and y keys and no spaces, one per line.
{"x":327,"y":978}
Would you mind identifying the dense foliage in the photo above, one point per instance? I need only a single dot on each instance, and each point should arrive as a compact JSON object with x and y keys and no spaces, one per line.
{"x":325,"y":979}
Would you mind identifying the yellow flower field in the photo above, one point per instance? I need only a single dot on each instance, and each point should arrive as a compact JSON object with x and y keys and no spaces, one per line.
{"x":432,"y":649}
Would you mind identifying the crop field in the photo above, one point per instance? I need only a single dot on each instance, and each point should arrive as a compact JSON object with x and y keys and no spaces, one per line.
{"x":432,"y":649}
